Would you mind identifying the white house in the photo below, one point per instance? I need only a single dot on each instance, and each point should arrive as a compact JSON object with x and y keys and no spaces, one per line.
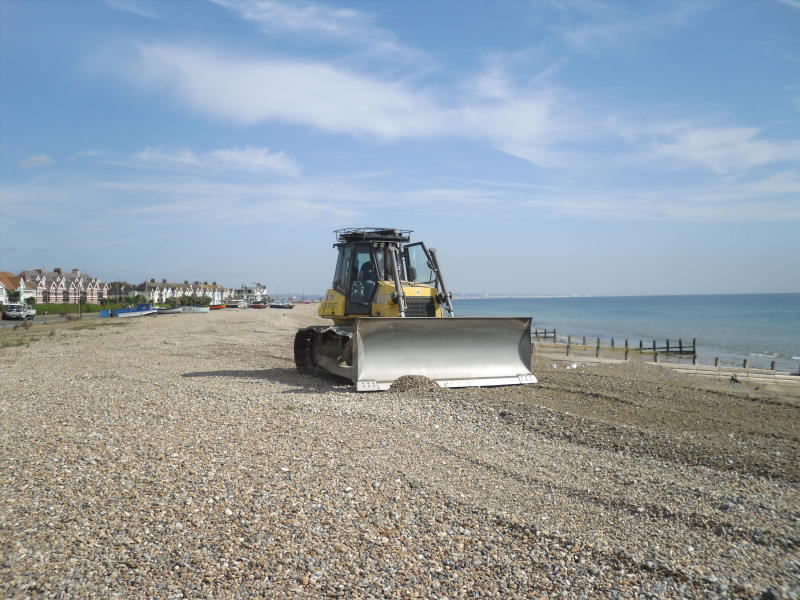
{"x":8,"y":282}
{"x":14,"y":283}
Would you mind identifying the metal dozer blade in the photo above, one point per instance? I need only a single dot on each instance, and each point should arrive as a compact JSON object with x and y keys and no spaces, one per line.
{"x":454,"y":352}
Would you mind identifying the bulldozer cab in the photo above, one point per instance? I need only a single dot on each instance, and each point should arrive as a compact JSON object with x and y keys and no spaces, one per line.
{"x":369,"y":256}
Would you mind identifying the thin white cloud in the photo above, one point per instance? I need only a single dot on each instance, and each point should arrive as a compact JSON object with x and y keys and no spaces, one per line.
{"x":590,"y":24}
{"x":539,"y":123}
{"x":767,"y":199}
{"x":773,"y":198}
{"x":728,"y":150}
{"x":250,"y":91}
{"x":37,"y":160}
{"x":790,"y":3}
{"x":197,"y":196}
{"x":91,"y":153}
{"x":234,"y":159}
{"x":319,"y":20}
{"x":522,"y":122}
{"x":137,"y":7}
{"x":254,"y":159}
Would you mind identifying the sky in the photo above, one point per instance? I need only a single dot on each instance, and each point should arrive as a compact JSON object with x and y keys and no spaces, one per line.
{"x":543,"y":147}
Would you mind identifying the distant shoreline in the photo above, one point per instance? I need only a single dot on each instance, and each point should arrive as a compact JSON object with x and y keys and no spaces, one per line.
{"x":549,"y":297}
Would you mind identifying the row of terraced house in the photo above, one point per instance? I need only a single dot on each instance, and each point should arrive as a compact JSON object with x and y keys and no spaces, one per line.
{"x":60,"y":287}
{"x":164,"y":290}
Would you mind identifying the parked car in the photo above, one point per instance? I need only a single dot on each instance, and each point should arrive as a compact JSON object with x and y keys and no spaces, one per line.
{"x":19,"y":312}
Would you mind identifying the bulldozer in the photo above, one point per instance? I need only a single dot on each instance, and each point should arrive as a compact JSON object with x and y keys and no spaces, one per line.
{"x":393,"y":316}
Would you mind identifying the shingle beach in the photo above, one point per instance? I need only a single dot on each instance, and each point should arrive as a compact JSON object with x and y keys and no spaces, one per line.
{"x":182,"y":456}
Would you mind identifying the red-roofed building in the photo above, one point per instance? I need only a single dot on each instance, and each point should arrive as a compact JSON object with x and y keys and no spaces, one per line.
{"x":11,"y":283}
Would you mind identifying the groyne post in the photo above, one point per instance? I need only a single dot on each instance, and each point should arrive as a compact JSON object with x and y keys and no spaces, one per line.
{"x":716,"y":361}
{"x":584,"y":340}
{"x":772,"y":365}
{"x":641,"y":347}
{"x":744,"y":363}
{"x":597,"y":349}
{"x":680,"y":345}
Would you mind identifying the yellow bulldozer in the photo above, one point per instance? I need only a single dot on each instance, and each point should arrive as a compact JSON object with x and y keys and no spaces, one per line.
{"x":393,"y":316}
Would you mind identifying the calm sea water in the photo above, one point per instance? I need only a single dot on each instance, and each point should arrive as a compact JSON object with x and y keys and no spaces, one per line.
{"x":758,"y":327}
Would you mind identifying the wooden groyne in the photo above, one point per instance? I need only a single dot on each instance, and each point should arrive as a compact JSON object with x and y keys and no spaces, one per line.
{"x":685,"y":351}
{"x":652,"y":346}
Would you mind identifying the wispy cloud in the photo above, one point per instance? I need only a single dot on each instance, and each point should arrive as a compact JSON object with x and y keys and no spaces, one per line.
{"x":197,"y":196}
{"x":250,"y":91}
{"x":728,"y":150}
{"x":591,"y":24}
{"x":761,"y":200}
{"x":522,"y":122}
{"x":790,"y":3}
{"x":245,"y":204}
{"x":137,"y":7}
{"x":540,"y":123}
{"x":91,"y":153}
{"x":234,"y":159}
{"x":317,"y":20}
{"x":37,"y":160}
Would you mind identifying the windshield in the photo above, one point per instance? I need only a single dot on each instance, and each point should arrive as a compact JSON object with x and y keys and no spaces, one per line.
{"x":14,"y":308}
{"x":418,"y":267}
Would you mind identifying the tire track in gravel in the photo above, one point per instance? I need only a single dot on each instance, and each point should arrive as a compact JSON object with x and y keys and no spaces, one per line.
{"x":706,"y":523}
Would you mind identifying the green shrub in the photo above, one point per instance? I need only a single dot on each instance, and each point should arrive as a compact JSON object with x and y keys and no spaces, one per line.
{"x":57,"y":309}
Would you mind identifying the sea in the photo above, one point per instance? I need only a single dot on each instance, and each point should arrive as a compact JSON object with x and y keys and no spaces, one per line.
{"x":732,"y":327}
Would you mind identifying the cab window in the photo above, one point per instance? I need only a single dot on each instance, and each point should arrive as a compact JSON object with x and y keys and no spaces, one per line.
{"x":366,"y":276}
{"x":418,"y":267}
{"x":342,"y":274}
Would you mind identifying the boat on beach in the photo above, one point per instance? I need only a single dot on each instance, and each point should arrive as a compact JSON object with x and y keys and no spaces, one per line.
{"x":196,"y":309}
{"x":141,"y":310}
{"x":169,"y":311}
{"x":283,"y":305}
{"x":258,"y":305}
{"x":217,"y":306}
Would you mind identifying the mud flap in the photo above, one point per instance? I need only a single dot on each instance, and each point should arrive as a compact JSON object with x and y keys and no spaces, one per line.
{"x":459,"y":352}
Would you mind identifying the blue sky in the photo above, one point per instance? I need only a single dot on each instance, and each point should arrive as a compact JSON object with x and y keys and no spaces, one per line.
{"x":543,"y":147}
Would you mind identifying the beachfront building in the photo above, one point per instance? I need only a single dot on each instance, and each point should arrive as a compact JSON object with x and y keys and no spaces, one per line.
{"x":50,"y":285}
{"x":58,"y":287}
{"x":252,"y":293}
{"x":7,"y":282}
{"x":61,"y":287}
{"x":13,"y":283}
{"x":159,"y":292}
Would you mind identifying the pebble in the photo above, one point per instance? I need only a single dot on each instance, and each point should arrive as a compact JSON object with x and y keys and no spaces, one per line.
{"x":187,"y":458}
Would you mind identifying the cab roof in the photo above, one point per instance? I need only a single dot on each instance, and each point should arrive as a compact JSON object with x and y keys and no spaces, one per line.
{"x":381,"y":234}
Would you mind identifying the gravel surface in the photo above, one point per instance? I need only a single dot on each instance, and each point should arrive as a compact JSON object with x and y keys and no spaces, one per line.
{"x":182,"y":456}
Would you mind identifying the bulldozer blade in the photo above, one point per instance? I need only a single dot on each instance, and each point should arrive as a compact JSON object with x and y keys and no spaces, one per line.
{"x":454,"y":352}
